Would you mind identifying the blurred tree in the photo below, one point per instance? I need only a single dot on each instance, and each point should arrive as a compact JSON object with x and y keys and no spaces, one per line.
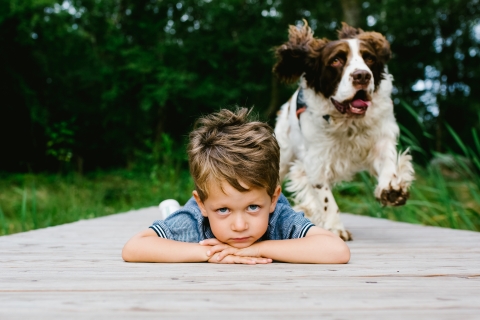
{"x":351,"y":12}
{"x":98,"y":83}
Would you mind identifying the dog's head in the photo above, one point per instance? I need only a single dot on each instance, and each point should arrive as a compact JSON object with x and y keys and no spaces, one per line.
{"x":345,"y":71}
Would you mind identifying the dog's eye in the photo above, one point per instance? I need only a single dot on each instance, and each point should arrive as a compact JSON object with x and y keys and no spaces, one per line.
{"x":337,"y":62}
{"x":369,"y":60}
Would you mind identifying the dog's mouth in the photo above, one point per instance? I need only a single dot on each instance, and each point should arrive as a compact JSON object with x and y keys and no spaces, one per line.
{"x":357,"y":105}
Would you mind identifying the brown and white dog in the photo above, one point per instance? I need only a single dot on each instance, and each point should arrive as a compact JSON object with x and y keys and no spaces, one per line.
{"x":339,"y":122}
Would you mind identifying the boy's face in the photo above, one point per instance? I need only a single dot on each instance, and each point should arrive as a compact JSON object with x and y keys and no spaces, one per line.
{"x":237,"y":218}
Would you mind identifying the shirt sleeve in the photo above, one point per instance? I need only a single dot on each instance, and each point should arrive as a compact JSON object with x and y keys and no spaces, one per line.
{"x":184,"y":225}
{"x":286,"y":223}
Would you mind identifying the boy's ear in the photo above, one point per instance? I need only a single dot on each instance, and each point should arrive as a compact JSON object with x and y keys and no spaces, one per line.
{"x":200,"y":203}
{"x":275,"y":196}
{"x":298,"y":54}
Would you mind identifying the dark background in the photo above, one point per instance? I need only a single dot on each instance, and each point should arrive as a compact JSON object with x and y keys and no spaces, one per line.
{"x":88,"y":85}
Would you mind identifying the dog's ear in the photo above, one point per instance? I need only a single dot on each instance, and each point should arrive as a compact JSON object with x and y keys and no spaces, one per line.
{"x":348,"y":32}
{"x":379,"y":43}
{"x":299,"y":53}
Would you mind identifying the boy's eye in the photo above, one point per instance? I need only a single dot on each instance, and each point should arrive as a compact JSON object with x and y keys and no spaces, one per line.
{"x":223,"y":211}
{"x":253,"y":207}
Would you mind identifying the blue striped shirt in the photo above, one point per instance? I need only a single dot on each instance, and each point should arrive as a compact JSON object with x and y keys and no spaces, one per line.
{"x":188,"y":225}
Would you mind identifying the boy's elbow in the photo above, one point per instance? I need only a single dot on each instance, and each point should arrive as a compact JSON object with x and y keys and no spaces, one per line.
{"x":131,"y":250}
{"x":127,"y":253}
{"x":339,"y":252}
{"x":344,"y":254}
{"x":331,"y":250}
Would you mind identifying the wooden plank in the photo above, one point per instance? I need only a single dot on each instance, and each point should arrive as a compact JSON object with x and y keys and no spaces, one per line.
{"x":397,"y":271}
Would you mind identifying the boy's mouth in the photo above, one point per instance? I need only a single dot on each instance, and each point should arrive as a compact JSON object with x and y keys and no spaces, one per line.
{"x":240,"y":243}
{"x":241,"y":239}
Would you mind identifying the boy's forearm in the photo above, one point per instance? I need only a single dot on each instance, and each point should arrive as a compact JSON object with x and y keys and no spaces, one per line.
{"x":312,"y":249}
{"x":156,"y":249}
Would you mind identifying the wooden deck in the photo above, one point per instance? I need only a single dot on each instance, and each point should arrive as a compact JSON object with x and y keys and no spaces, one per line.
{"x":397,"y":271}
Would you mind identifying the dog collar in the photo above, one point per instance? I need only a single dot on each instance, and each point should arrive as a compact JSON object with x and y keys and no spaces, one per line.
{"x":302,"y":106}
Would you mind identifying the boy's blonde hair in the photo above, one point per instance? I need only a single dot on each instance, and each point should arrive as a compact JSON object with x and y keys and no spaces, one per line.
{"x":227,"y":146}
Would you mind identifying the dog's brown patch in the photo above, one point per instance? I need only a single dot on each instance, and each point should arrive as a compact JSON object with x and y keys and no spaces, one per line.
{"x":346,"y":235}
{"x":394,"y":197}
{"x":305,"y":54}
{"x":375,"y":45}
{"x":348,"y":32}
{"x":298,"y":54}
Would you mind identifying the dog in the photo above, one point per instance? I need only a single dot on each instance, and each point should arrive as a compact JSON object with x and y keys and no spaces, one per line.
{"x":339,"y":122}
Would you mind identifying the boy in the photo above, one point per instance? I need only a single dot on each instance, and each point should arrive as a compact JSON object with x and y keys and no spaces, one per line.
{"x":237,"y":213}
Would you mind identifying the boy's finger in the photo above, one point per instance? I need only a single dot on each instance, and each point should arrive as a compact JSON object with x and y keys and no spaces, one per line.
{"x":263,"y":260}
{"x":225,"y":252}
{"x":219,"y":248}
{"x":244,"y":260}
{"x":209,"y":242}
{"x":253,"y":260}
{"x":216,"y":249}
{"x":228,"y":259}
{"x":214,"y":259}
{"x":258,"y":260}
{"x":248,"y":252}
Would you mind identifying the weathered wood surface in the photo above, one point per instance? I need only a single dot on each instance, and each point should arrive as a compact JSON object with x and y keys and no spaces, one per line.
{"x":397,"y":271}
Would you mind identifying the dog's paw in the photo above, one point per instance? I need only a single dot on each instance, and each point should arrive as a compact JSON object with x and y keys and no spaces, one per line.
{"x":393,"y":190}
{"x":344,"y":234}
{"x":392,"y":197}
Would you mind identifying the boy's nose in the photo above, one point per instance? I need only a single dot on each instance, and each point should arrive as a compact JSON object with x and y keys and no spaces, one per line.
{"x":239,"y":224}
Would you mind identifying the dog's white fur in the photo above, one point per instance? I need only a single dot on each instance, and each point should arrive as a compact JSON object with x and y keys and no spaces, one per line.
{"x":316,"y":153}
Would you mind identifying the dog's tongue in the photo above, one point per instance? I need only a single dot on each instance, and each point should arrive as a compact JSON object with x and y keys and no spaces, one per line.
{"x":360,"y":103}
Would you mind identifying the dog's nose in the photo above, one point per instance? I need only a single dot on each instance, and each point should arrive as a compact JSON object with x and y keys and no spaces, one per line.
{"x":361,"y":77}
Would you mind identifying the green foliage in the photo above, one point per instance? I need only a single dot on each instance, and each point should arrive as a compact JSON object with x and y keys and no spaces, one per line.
{"x":60,"y":139}
{"x":31,"y":201}
{"x":110,"y":84}
{"x":121,"y":72}
{"x":125,"y":72}
{"x":42,"y":200}
{"x":446,"y":192}
{"x":435,"y":200}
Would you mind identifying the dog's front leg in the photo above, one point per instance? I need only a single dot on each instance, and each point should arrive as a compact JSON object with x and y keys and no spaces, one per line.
{"x":331,"y":212}
{"x":316,"y":201}
{"x":395,"y":173}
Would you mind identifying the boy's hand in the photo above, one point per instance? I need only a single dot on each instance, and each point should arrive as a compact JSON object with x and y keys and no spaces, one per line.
{"x":237,"y":259}
{"x":223,"y":253}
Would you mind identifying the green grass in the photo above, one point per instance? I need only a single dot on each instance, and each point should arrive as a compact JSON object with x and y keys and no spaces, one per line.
{"x":37,"y":201}
{"x":445,"y":193}
{"x":446,"y":196}
{"x":435,"y":200}
{"x":32,"y":201}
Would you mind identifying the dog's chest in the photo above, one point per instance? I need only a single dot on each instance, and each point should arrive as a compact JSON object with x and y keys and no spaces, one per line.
{"x":343,"y":141}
